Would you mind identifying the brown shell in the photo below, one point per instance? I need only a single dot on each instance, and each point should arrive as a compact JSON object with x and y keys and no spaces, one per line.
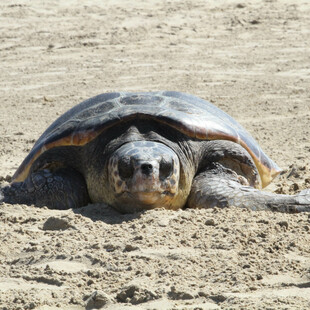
{"x":190,"y":115}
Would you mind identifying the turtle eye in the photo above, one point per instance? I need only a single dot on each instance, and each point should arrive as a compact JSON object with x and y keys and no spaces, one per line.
{"x":165,"y":169}
{"x":125,"y":168}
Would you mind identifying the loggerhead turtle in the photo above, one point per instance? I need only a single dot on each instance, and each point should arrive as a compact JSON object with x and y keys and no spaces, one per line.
{"x":138,"y":151}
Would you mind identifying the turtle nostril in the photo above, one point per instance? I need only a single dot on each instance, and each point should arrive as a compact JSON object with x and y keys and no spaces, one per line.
{"x":146,"y":169}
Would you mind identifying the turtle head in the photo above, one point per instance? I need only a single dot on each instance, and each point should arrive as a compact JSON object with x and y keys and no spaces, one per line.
{"x":143,"y":175}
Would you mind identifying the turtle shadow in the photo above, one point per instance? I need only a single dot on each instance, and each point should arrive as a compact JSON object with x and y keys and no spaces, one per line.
{"x":105,"y":213}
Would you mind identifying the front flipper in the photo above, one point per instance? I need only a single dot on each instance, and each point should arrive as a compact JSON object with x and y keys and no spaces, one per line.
{"x":220,"y":187}
{"x":63,"y":188}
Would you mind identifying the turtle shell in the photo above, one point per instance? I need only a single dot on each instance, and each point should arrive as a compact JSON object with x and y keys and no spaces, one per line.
{"x":188,"y":114}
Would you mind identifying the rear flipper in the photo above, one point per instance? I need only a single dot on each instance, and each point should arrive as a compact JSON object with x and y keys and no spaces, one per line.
{"x":222,"y":188}
{"x":63,"y":188}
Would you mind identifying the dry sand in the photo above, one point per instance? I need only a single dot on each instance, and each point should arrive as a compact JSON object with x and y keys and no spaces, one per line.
{"x":251,"y":58}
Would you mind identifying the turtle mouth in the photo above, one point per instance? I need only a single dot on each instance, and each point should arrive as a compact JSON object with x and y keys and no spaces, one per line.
{"x":146,"y":198}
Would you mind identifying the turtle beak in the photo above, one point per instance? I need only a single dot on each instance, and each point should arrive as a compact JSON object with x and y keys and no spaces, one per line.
{"x":148,"y":198}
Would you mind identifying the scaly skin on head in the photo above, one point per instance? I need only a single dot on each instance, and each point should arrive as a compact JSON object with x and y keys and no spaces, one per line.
{"x":154,"y":143}
{"x":144,"y":175}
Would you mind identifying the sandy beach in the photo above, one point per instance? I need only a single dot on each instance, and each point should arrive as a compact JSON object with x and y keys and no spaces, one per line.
{"x":251,"y":59}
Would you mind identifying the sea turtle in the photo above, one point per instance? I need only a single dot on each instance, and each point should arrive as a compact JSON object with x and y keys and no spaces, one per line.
{"x":144,"y":150}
